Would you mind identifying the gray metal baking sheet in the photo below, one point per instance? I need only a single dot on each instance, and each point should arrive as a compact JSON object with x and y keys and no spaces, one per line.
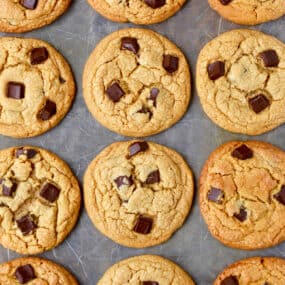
{"x":86,"y":252}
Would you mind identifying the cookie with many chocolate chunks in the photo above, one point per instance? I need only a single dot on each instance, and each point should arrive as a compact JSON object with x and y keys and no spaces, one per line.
{"x":242,"y":194}
{"x":136,"y":83}
{"x":37,"y":87}
{"x":240,"y":76}
{"x":138,"y":193}
{"x":39,"y":199}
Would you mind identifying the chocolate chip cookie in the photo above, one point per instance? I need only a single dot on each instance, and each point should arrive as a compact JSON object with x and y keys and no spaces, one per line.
{"x":39,"y":199}
{"x":255,"y":270}
{"x":136,"y":83}
{"x":26,"y":15}
{"x":37,"y":87}
{"x":34,"y":270}
{"x":138,"y":193}
{"x":240,"y":77}
{"x":249,"y":12}
{"x":145,"y":270}
{"x":242,"y":194}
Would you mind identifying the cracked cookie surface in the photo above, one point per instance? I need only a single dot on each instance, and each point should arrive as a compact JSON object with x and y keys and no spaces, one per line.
{"x":242,"y":194}
{"x":37,"y":87}
{"x":39,"y":200}
{"x":26,"y":15}
{"x":240,"y":77}
{"x":138,"y":193}
{"x":146,"y":270}
{"x":249,"y":12}
{"x":136,"y":83}
{"x":254,"y":271}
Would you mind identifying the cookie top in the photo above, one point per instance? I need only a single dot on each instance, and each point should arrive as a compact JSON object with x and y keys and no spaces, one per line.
{"x":36,"y":87}
{"x":136,"y":83}
{"x":255,"y":270}
{"x":240,"y":76}
{"x":142,"y":12}
{"x":146,"y":270}
{"x":242,"y":194}
{"x":26,"y":15}
{"x":246,"y":12}
{"x":138,"y":193}
{"x":33,"y":270}
{"x":39,"y":199}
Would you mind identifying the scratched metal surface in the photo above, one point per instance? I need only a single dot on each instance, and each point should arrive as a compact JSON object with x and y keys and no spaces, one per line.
{"x":79,"y":138}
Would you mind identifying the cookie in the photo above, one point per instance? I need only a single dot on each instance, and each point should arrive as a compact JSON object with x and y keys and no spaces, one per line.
{"x":26,"y":15}
{"x":146,"y":270}
{"x":249,"y":12}
{"x":139,"y":12}
{"x":36,"y":87}
{"x":138,"y":193}
{"x":240,"y":76}
{"x":242,"y":194}
{"x":255,"y":270}
{"x":136,"y":83}
{"x":34,"y":270}
{"x":39,"y":199}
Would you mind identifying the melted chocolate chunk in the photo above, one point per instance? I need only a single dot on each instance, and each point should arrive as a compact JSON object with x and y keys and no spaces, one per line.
{"x":225,"y":2}
{"x":242,"y":215}
{"x":130,"y":44}
{"x":150,"y":283}
{"x":26,"y":224}
{"x":280,"y":196}
{"x":29,"y":4}
{"x":8,"y":191}
{"x":16,"y":90}
{"x":124,"y":180}
{"x":145,"y":110}
{"x":155,"y":3}
{"x":143,"y":225}
{"x":153,"y":95}
{"x":170,"y":63}
{"x":231,"y":280}
{"x":258,"y":103}
{"x":242,"y":152}
{"x":215,"y":195}
{"x":48,"y":111}
{"x":30,"y":153}
{"x":137,"y":147}
{"x":115,"y":92}
{"x":270,"y":58}
{"x":39,"y":55}
{"x":216,"y":70}
{"x":25,"y":273}
{"x":153,"y":177}
{"x":50,"y":192}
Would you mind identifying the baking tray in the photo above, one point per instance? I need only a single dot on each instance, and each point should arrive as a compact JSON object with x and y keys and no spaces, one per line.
{"x":86,"y":252}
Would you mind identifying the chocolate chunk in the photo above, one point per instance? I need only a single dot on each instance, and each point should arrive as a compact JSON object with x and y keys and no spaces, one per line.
{"x":231,"y":280}
{"x":242,"y":152}
{"x":280,"y":196}
{"x":170,"y":63}
{"x":16,"y":90}
{"x":143,"y":225}
{"x":8,"y":191}
{"x":48,"y":111}
{"x":124,"y":180}
{"x":145,"y":110}
{"x":61,"y":80}
{"x":258,"y":103}
{"x":270,"y":58}
{"x":153,"y":177}
{"x":225,"y":2}
{"x":215,"y":195}
{"x":241,"y":216}
{"x":25,"y":273}
{"x":115,"y":92}
{"x":216,"y":70}
{"x":26,"y":224}
{"x":39,"y":55}
{"x":155,"y":3}
{"x":49,"y":192}
{"x":150,"y":283}
{"x":137,"y":147}
{"x":153,"y":95}
{"x":30,"y":153}
{"x":130,"y":44}
{"x":29,"y":4}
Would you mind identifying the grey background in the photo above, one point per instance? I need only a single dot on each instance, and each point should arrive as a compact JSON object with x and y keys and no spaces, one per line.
{"x":79,"y":138}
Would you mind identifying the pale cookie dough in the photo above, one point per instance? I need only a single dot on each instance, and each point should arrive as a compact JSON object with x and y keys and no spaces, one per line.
{"x":249,"y":12}
{"x":36,"y":87}
{"x":138,"y":193}
{"x":242,"y":194}
{"x":136,"y":83}
{"x":146,"y":270}
{"x":17,"y":16}
{"x":240,"y":81}
{"x":254,"y":271}
{"x":34,"y":271}
{"x":39,"y":199}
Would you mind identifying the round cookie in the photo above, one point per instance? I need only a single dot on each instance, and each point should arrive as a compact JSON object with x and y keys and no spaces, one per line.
{"x":26,"y":15}
{"x":36,"y":87}
{"x":240,"y":76}
{"x":145,"y":270}
{"x":242,"y":194}
{"x":254,"y":270}
{"x":246,"y":12}
{"x":138,"y":193}
{"x":136,"y":83}
{"x":39,"y":199}
{"x":34,"y":270}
